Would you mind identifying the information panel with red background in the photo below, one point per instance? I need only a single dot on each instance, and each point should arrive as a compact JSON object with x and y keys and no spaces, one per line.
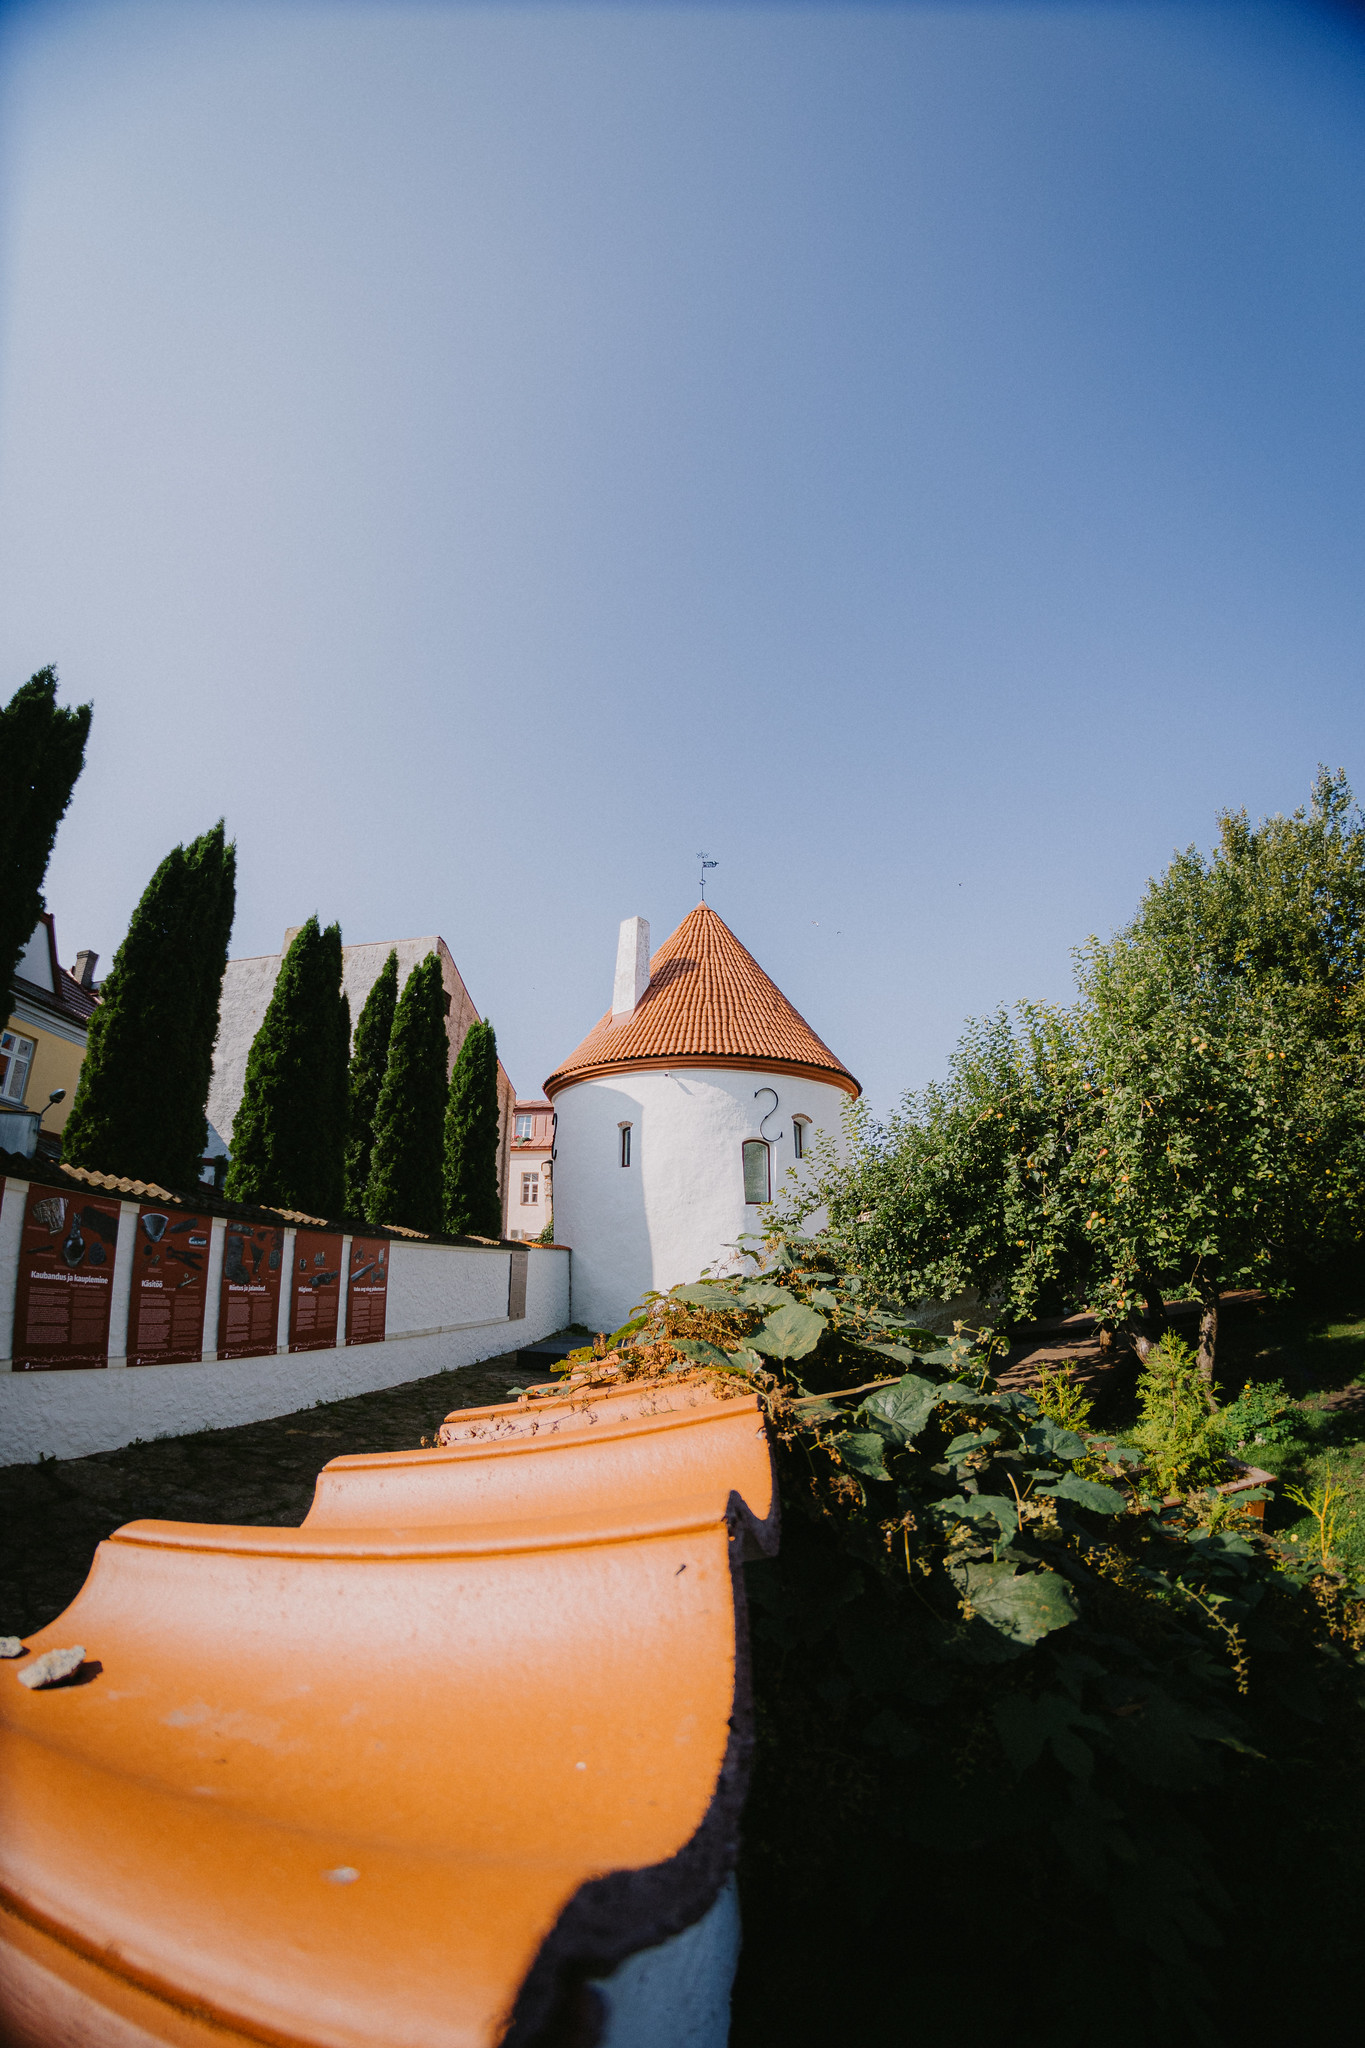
{"x":170,"y":1288}
{"x":249,"y":1304}
{"x":368,"y":1294}
{"x":315,"y":1290}
{"x":66,"y":1275}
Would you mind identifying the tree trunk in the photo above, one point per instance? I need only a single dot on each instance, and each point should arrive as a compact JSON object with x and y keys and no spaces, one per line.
{"x":1208,"y":1330}
{"x":1151,"y":1330}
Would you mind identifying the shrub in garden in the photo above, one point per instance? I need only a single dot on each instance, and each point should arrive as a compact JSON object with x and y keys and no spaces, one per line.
{"x":1263,"y":1414}
{"x":1004,"y":1706}
{"x":1177,"y":1430}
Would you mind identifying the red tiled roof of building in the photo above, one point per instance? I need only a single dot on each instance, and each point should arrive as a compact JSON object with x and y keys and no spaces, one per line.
{"x":67,"y":996}
{"x":708,"y":1004}
{"x":80,"y":1002}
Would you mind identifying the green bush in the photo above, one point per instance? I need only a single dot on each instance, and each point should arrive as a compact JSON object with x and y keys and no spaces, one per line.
{"x":1178,"y":1429}
{"x":985,"y":1679}
{"x":1261,"y":1415}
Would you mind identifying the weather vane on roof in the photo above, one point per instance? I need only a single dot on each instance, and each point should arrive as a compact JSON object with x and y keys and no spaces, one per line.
{"x":705,"y":864}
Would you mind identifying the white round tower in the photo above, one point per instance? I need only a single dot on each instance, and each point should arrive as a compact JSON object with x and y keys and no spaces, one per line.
{"x":680,"y":1113}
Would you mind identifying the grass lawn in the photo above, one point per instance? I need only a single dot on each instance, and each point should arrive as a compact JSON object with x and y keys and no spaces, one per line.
{"x":1314,"y":1350}
{"x":1318,"y":1352}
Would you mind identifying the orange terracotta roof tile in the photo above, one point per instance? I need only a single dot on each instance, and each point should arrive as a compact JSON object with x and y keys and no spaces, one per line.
{"x":708,"y":1003}
{"x":246,"y":1823}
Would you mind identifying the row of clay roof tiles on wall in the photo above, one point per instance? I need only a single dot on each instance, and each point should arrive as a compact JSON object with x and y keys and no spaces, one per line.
{"x":51,"y":1173}
{"x":708,"y":1001}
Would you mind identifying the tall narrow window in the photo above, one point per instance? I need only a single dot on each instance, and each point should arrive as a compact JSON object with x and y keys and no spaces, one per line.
{"x":523,"y":1126}
{"x":757,"y":1171}
{"x":799,"y":1124}
{"x":530,"y":1190}
{"x":16,"y":1055}
{"x":625,"y":1144}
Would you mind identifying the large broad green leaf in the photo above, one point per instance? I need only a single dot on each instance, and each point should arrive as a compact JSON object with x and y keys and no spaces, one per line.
{"x":1024,"y":1725}
{"x":975,"y":1440}
{"x":703,"y":1354}
{"x":705,"y":1294}
{"x":763,"y":1294}
{"x":862,"y":1453}
{"x":1087,"y":1493}
{"x":922,"y":1340}
{"x":984,"y":1507}
{"x":1025,"y":1606}
{"x":903,"y":1408}
{"x":954,"y":1394}
{"x":790,"y":1332}
{"x":1048,"y":1439}
{"x":745,"y":1360}
{"x":899,"y":1354}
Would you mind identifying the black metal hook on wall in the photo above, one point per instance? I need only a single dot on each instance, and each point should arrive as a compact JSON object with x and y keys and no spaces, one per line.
{"x":767,"y":1113}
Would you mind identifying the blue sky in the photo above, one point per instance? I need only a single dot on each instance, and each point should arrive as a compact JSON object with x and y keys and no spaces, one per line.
{"x":490,"y":453}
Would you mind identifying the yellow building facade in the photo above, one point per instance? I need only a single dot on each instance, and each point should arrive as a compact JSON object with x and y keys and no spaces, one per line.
{"x":43,"y":1042}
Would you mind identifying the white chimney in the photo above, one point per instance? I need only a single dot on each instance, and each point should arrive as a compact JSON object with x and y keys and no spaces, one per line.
{"x":632,"y":967}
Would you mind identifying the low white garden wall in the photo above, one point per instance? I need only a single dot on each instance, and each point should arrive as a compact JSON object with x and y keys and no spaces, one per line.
{"x":447,"y":1307}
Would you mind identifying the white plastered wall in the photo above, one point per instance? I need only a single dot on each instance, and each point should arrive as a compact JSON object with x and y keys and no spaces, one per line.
{"x":447,"y":1307}
{"x":528,"y":1219}
{"x":680,"y":1203}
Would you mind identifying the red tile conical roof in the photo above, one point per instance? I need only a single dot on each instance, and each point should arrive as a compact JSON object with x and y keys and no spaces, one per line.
{"x":708,"y":1004}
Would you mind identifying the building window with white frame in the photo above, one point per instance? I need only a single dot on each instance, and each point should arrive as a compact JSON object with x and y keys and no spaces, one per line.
{"x":523,"y":1127}
{"x":800,"y":1126}
{"x":625,"y":1144}
{"x":758,"y":1177}
{"x":16,"y":1057}
{"x":530,"y":1190}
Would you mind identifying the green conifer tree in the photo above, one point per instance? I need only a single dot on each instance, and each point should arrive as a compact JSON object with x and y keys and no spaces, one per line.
{"x":368,"y":1064}
{"x":473,"y":1206}
{"x":42,"y":751}
{"x":289,"y":1135}
{"x":144,"y":1082}
{"x":405,"y":1165}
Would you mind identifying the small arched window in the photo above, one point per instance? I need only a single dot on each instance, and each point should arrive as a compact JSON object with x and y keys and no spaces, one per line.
{"x":800,"y":1125}
{"x":625,"y":1144}
{"x":758,"y":1179}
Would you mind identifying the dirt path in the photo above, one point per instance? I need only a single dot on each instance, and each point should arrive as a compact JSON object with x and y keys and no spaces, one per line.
{"x":52,"y":1515}
{"x":1075,"y":1342}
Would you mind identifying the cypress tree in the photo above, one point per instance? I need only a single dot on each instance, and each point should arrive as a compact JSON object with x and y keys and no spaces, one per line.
{"x":144,"y":1082}
{"x":368,"y":1064}
{"x":289,"y":1134}
{"x":473,"y":1206}
{"x":42,"y":751}
{"x":405,"y":1165}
